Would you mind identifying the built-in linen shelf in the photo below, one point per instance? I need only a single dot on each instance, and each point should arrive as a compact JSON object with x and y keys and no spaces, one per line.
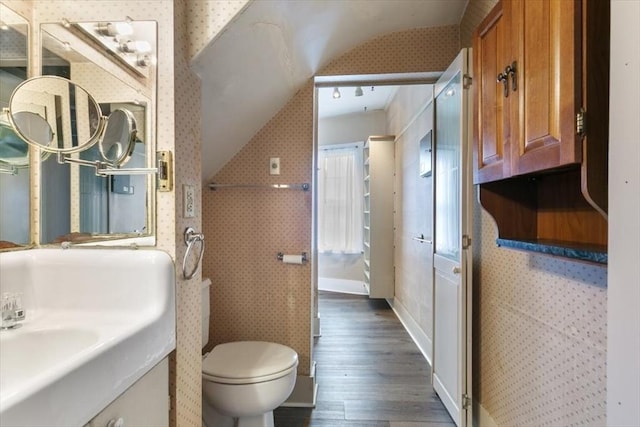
{"x":563,"y":249}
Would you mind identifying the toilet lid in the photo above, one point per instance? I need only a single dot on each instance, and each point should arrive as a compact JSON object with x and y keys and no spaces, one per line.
{"x":239,"y":362}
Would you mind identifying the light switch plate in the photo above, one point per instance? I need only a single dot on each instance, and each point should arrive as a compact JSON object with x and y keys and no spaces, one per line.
{"x":188,"y":201}
{"x":274,"y":166}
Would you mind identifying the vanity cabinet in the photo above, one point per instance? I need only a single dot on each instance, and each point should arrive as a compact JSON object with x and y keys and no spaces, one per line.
{"x":541,"y":130}
{"x":378,"y":216}
{"x":144,"y":404}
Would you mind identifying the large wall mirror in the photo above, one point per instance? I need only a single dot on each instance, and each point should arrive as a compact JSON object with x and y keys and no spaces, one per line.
{"x":118,"y":72}
{"x":14,"y":153}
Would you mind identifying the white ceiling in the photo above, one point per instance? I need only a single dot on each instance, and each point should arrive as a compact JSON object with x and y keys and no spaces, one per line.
{"x":372,"y":98}
{"x":271,"y":50}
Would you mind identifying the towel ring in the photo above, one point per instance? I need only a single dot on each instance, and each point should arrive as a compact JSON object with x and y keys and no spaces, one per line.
{"x":190,"y":239}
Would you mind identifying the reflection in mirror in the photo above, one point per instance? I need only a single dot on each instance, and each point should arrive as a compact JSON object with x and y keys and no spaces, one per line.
{"x":115,"y":204}
{"x":14,"y":165}
{"x":79,"y":205}
{"x":14,"y":151}
{"x":118,"y":142}
{"x":55,"y":115}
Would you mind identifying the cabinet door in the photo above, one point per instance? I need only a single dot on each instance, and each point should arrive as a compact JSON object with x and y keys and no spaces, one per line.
{"x":547,"y":38}
{"x":492,"y":54}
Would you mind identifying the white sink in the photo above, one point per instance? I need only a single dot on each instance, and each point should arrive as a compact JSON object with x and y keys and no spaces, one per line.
{"x":96,"y":321}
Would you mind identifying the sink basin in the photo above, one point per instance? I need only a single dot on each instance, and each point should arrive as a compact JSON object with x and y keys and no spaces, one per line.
{"x":96,"y":322}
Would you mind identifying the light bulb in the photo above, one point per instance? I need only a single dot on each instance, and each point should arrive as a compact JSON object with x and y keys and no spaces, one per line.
{"x":336,"y":93}
{"x":358,"y":91}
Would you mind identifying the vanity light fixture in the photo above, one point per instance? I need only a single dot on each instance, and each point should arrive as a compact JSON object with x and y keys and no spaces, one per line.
{"x":113,"y":29}
{"x":135,"y":46}
{"x":359,"y":91}
{"x":143,"y":60}
{"x":336,"y":93}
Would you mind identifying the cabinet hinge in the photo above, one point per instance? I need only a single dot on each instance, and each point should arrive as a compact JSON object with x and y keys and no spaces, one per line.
{"x":467,"y":81}
{"x":466,"y":402}
{"x":466,"y":241}
{"x":581,"y":123}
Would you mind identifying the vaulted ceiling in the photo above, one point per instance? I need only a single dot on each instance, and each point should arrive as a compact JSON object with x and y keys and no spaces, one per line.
{"x":270,"y":51}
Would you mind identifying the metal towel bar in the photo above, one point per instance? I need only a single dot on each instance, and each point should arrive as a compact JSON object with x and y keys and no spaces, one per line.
{"x":303,"y":186}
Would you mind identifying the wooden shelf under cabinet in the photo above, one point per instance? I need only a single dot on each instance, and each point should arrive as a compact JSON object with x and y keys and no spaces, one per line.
{"x":547,"y":214}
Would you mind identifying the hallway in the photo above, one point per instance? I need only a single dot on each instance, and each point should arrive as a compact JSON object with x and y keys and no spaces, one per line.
{"x":369,"y":371}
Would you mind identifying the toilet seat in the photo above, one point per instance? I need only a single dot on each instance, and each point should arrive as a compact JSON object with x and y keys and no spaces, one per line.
{"x":248,"y":362}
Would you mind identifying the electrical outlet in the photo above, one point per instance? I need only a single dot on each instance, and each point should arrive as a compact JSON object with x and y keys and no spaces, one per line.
{"x":188,"y":201}
{"x":274,"y":166}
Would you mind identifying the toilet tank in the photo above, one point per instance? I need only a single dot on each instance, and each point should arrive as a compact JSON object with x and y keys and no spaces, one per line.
{"x":206,"y":310}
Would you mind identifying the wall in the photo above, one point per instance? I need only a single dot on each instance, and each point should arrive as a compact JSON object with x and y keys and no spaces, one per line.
{"x":208,"y":19}
{"x":540,"y":326}
{"x":253,"y":295}
{"x":623,"y":338}
{"x":341,"y":130}
{"x":410,"y":118}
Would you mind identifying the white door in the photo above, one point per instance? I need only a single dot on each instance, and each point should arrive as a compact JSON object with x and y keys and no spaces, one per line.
{"x":452,"y":257}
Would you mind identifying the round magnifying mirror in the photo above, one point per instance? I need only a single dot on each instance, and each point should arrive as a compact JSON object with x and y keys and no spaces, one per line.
{"x":119,"y":140}
{"x":74,"y":118}
{"x":14,"y":151}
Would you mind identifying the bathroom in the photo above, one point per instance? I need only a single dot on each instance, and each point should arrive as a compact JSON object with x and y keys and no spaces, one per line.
{"x":280,"y":298}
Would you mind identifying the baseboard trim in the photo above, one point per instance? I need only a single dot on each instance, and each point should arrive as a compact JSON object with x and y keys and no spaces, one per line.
{"x":317,"y":332}
{"x":305,"y":391}
{"x":481,"y":417}
{"x":413,"y":329}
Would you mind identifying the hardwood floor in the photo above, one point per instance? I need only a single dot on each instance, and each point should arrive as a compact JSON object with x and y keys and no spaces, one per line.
{"x":369,"y":371}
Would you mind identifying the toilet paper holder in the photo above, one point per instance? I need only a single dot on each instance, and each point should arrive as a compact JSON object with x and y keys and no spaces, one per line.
{"x":280,"y":256}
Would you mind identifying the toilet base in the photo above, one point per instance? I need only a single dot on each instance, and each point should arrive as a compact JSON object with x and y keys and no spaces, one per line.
{"x":264,"y":420}
{"x":212,"y":418}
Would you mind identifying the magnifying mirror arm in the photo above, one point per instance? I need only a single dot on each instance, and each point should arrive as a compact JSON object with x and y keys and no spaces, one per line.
{"x":103,"y":168}
{"x":8,"y":169}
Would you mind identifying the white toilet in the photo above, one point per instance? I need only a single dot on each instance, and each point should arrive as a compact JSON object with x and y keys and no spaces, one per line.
{"x":244,"y":381}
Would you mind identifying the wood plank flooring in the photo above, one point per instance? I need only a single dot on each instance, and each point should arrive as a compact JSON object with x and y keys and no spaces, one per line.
{"x":369,"y":371}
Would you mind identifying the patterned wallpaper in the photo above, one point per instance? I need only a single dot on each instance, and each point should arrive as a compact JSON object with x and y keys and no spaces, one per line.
{"x":540,"y":324}
{"x":186,"y":151}
{"x":253,"y":295}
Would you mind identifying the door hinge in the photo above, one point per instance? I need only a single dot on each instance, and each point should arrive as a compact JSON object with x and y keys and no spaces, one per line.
{"x":466,"y":241}
{"x":466,"y":402}
{"x":581,"y":122}
{"x":467,"y":81}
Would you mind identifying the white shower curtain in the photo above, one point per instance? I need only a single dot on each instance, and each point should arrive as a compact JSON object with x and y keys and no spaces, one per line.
{"x":340,"y":199}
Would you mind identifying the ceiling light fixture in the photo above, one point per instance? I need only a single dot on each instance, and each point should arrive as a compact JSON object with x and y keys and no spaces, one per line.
{"x":359,"y":91}
{"x":3,"y":26}
{"x":336,"y":93}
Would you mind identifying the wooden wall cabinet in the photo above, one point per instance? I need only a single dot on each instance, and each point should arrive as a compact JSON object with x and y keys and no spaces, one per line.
{"x":541,"y":132}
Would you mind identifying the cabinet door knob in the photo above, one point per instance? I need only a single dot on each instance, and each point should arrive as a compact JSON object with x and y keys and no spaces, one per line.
{"x":456,"y":270}
{"x":504,"y":78}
